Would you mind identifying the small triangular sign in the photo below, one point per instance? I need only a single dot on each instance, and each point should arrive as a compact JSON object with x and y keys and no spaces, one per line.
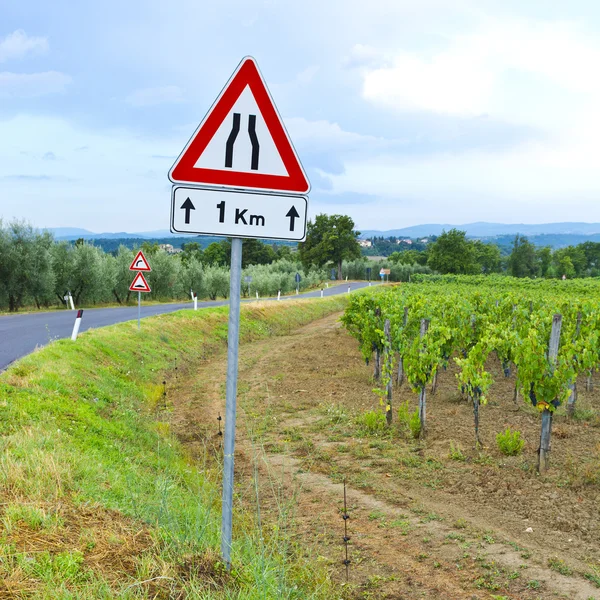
{"x":140,"y":263}
{"x":242,"y":142}
{"x":139,"y":284}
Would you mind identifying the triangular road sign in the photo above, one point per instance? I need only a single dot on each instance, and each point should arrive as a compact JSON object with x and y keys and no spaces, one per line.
{"x":242,"y":142}
{"x":139,"y":284}
{"x":140,"y":263}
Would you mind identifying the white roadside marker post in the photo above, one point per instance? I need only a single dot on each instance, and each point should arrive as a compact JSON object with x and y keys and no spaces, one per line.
{"x":71,"y":301}
{"x":348,"y":289}
{"x":195,"y":301}
{"x":77,"y":325}
{"x":321,"y":293}
{"x":279,"y":295}
{"x":257,"y":296}
{"x":231,"y":396}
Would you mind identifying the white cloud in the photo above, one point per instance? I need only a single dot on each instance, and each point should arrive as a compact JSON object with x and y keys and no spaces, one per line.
{"x":18,"y":44}
{"x":31,"y":85}
{"x":114,"y":184}
{"x":472,"y":74}
{"x":363,"y":55}
{"x":325,"y":133}
{"x":170,"y":94}
{"x":307,"y":75}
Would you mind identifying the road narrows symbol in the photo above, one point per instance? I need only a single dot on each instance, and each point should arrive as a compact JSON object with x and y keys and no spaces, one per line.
{"x":231,"y":141}
{"x":253,"y":141}
{"x":233,"y":137}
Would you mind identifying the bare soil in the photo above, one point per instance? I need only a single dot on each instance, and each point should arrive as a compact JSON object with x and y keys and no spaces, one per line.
{"x":424,"y":522}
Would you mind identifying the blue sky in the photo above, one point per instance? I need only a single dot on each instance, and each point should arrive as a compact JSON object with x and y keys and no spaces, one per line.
{"x":402,"y":112}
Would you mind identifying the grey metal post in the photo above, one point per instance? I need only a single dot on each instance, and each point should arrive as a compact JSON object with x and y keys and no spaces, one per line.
{"x":139,"y":309}
{"x":230,"y":398}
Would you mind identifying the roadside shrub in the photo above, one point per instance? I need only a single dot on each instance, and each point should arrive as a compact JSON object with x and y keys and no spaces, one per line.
{"x":410,"y":420}
{"x":372,"y":422}
{"x":510,"y":442}
{"x":216,"y":281}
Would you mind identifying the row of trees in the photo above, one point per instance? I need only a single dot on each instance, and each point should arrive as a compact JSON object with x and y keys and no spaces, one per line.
{"x":36,"y":270}
{"x":452,"y":252}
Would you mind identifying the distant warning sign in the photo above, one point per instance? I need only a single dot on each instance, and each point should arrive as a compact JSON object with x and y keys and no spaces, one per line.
{"x":242,"y":142}
{"x":140,"y":263}
{"x":139,"y":284}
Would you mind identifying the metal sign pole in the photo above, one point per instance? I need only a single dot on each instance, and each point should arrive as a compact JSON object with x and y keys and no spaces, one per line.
{"x":139,"y":309}
{"x":230,"y":397}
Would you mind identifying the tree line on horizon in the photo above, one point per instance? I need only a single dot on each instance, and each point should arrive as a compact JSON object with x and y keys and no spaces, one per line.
{"x":36,"y":270}
{"x":452,"y":252}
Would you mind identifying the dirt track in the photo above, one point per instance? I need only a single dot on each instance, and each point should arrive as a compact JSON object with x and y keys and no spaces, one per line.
{"x":422,"y":524}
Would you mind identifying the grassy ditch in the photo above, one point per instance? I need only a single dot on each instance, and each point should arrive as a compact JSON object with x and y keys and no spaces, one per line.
{"x":97,"y":498}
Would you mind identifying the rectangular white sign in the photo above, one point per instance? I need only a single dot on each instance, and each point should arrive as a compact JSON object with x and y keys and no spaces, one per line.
{"x":238,"y":214}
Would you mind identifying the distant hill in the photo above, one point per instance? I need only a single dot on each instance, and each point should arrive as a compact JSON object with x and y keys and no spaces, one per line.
{"x":74,"y":233}
{"x":482,"y":229}
{"x":554,"y":240}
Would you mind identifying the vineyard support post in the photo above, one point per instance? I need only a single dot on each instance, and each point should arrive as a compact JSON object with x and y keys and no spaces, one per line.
{"x":377,"y":369}
{"x":388,"y":371}
{"x":400,"y":376}
{"x":476,"y":403}
{"x":231,"y":397}
{"x":544,"y":449}
{"x":573,"y":385}
{"x":422,"y":393}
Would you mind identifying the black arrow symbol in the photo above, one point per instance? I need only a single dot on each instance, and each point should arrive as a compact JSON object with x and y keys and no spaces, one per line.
{"x":293,"y":215}
{"x":187,"y":206}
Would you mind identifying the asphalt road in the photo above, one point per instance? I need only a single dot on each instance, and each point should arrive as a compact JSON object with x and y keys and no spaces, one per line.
{"x":22,"y":334}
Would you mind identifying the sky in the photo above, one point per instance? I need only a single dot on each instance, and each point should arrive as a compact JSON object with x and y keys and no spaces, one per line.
{"x":402,"y":112}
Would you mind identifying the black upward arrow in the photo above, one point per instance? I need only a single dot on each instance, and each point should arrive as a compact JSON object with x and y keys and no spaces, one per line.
{"x":187,"y":206}
{"x":293,"y":215}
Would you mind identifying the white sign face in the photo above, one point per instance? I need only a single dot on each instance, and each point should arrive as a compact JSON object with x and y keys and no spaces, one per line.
{"x":249,"y":119}
{"x":238,"y":214}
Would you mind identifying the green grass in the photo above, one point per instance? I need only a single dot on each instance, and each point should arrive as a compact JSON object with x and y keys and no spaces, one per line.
{"x":78,"y":427}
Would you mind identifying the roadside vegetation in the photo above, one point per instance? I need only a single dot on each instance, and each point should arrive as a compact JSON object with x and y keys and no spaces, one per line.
{"x":36,"y":271}
{"x":98,"y":497}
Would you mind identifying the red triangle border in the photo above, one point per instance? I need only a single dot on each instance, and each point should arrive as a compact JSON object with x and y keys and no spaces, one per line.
{"x":184,"y":171}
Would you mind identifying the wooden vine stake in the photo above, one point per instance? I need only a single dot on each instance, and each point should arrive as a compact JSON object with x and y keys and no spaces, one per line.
{"x":573,"y":385}
{"x":377,"y":370}
{"x":389,"y":355}
{"x":476,"y":403}
{"x":422,"y":393}
{"x":400,"y":376}
{"x":544,"y":449}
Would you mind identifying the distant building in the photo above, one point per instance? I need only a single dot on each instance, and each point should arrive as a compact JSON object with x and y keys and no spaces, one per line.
{"x":365,"y":243}
{"x":407,"y":241}
{"x":169,"y":249}
{"x":424,"y":240}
